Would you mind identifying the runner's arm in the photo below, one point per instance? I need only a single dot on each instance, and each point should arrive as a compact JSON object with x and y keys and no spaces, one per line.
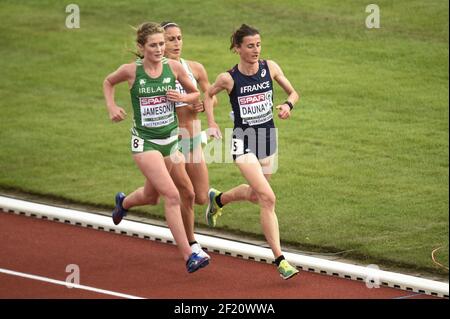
{"x":192,"y":94}
{"x":202,"y":78}
{"x":223,"y":82}
{"x":293,"y":97}
{"x":122,"y":74}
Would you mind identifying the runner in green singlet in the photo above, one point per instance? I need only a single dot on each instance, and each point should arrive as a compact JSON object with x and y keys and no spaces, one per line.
{"x":154,"y":141}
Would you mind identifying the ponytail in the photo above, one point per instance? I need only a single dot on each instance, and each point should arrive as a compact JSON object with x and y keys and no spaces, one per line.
{"x":238,"y":36}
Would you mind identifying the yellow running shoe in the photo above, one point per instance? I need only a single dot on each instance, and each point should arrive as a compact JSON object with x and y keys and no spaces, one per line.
{"x":286,"y":270}
{"x":213,"y":211}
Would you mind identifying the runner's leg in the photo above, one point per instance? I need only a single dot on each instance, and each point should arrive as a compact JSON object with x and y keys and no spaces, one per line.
{"x":198,"y":173}
{"x":146,"y":195}
{"x":252,"y":171}
{"x":156,"y":168}
{"x":184,"y":186}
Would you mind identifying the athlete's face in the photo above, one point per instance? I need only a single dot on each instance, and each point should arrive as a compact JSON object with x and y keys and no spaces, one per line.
{"x":250,"y":48}
{"x":174,"y":42}
{"x":153,"y":49}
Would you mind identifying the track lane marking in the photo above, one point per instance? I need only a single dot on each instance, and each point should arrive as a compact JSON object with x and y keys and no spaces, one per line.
{"x":407,"y":296}
{"x":67,"y":284}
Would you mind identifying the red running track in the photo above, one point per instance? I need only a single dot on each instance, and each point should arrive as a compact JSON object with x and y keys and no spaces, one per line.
{"x":148,"y":269}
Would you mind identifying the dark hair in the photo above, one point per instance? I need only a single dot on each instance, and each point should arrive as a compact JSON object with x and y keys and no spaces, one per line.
{"x":238,"y":35}
{"x":168,"y":24}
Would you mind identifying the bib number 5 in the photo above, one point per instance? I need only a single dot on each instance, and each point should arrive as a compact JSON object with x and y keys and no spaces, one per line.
{"x":237,"y":146}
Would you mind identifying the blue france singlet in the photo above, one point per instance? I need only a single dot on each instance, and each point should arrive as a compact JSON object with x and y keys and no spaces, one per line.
{"x":252,"y":98}
{"x":252,"y":102}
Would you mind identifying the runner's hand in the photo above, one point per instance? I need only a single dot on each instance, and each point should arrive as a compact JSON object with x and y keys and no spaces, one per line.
{"x":198,"y":107}
{"x":174,"y":96}
{"x":283,"y":111}
{"x":214,"y":131}
{"x":116,"y":113}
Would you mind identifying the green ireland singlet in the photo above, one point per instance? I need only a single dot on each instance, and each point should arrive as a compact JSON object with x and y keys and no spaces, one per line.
{"x":154,"y":114}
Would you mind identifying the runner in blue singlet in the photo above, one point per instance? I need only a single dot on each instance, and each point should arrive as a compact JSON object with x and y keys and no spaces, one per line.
{"x":252,"y":102}
{"x":249,"y":85}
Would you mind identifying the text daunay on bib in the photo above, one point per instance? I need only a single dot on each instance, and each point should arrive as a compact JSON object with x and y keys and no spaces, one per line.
{"x":256,"y":109}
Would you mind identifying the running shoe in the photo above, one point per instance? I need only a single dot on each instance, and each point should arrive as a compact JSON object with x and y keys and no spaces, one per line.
{"x":195,"y":262}
{"x":196,"y":248}
{"x":213,"y":211}
{"x":286,"y":270}
{"x":119,"y":212}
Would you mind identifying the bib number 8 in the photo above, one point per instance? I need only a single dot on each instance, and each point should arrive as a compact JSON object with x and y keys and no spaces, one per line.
{"x":137,"y":144}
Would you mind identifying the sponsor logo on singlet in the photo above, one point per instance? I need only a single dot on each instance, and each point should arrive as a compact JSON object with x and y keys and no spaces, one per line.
{"x":156,"y":111}
{"x":255,"y":87}
{"x":256,"y":108}
{"x":152,"y":90}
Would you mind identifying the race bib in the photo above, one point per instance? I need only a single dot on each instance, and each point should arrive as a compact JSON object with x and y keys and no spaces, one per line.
{"x":137,"y":144}
{"x":256,"y":108}
{"x":156,"y":111}
{"x":237,"y":146}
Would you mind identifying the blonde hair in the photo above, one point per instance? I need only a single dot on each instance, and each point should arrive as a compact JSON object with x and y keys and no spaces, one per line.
{"x":146,"y":29}
{"x":143,"y":31}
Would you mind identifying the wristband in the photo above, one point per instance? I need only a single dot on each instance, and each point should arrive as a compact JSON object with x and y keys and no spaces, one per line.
{"x":289,"y":104}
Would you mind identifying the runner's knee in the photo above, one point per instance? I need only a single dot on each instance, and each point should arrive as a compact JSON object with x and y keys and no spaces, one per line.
{"x":267,"y":198}
{"x":201,"y":199}
{"x":172,"y":198}
{"x":187,"y":195}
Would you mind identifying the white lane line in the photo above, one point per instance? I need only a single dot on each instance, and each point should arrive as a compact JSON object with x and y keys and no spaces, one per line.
{"x":407,"y":296}
{"x":67,"y":284}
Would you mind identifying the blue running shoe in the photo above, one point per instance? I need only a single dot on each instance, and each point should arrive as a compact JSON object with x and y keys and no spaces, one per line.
{"x":119,"y":212}
{"x":195,"y":262}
